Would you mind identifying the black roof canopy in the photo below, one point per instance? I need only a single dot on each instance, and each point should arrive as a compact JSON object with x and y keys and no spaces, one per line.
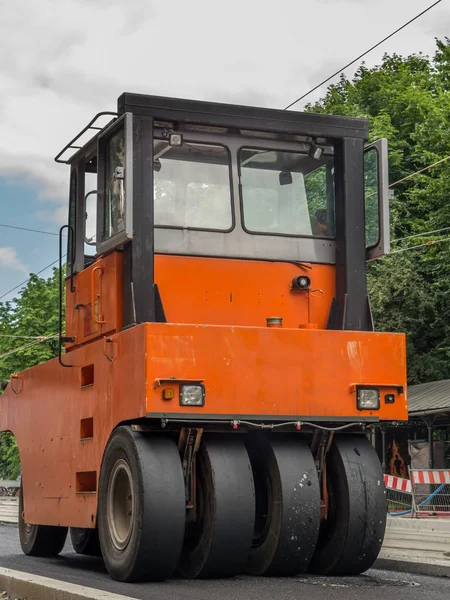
{"x":243,"y":117}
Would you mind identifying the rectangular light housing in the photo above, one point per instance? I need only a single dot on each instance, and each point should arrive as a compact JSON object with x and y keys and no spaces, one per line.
{"x":368,"y":398}
{"x":192,"y":395}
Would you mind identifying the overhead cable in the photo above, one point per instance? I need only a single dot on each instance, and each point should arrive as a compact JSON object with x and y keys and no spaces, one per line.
{"x":362,"y":55}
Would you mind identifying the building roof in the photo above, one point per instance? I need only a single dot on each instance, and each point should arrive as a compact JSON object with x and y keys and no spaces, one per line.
{"x":429,"y":398}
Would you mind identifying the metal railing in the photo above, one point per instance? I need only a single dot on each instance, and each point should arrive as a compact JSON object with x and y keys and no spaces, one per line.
{"x":430,"y":492}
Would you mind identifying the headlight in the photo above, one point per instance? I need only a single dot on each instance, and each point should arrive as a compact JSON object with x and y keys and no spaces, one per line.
{"x":368,"y":398}
{"x":192,"y":395}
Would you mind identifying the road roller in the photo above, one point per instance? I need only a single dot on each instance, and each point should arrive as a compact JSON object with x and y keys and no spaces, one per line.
{"x":212,"y":408}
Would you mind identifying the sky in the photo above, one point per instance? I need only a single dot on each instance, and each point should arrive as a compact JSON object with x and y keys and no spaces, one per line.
{"x":62,"y":61}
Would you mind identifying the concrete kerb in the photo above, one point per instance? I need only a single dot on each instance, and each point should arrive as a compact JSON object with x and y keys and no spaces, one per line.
{"x":35,"y":587}
{"x":434,"y":568}
{"x":418,"y":546}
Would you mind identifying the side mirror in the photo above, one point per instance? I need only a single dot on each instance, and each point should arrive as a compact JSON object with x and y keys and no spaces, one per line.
{"x":376,"y":199}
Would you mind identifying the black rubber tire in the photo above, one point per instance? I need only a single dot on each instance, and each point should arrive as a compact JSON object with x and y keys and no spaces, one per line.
{"x":287,"y":505}
{"x":40,"y":540}
{"x":157,"y":506}
{"x":217,"y":545}
{"x":351,"y":538}
{"x":85,"y":541}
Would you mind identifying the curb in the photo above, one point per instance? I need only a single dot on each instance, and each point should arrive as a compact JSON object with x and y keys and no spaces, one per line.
{"x":415,"y":566}
{"x":35,"y":587}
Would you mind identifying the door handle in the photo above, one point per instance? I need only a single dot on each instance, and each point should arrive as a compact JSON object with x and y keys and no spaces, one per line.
{"x":95,"y":297}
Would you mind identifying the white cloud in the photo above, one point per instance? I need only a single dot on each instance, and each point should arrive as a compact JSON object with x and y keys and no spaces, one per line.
{"x":10,"y":260}
{"x":64,"y":60}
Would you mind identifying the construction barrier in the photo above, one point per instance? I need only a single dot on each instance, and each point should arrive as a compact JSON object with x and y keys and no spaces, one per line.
{"x":430,"y":492}
{"x":398,"y":495}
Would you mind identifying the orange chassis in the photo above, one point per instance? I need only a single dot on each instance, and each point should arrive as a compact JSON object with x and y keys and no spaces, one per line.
{"x":249,"y":373}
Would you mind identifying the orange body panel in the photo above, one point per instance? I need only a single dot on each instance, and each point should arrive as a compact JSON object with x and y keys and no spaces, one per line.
{"x":241,"y":292}
{"x":96,"y":307}
{"x":248,"y":371}
{"x":45,"y":416}
{"x":271,"y":372}
{"x":201,"y":290}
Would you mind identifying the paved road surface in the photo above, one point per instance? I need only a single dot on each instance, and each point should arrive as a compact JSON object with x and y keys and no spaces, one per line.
{"x":374,"y":585}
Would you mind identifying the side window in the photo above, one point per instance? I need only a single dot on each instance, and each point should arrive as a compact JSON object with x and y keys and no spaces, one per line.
{"x":90,"y":207}
{"x":115,"y":185}
{"x":371,"y":197}
{"x":376,"y":199}
{"x":115,"y":181}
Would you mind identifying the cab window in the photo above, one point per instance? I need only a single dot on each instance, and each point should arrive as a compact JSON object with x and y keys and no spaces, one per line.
{"x":192,"y":187}
{"x":287,"y":193}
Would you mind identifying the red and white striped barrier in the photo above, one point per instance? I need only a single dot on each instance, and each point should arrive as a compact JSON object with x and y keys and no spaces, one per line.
{"x":431,"y":476}
{"x":397,"y":483}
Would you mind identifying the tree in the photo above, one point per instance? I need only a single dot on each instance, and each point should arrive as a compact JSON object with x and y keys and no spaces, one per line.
{"x":31,"y":316}
{"x":407,"y":100}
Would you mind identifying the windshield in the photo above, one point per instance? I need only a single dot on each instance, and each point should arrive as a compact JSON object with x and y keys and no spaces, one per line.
{"x":287,"y":193}
{"x":192,"y":186}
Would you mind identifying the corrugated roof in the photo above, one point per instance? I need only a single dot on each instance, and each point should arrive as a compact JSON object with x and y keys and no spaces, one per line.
{"x":432,"y":397}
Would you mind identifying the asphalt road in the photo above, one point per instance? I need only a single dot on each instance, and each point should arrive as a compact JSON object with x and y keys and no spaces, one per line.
{"x":374,"y":585}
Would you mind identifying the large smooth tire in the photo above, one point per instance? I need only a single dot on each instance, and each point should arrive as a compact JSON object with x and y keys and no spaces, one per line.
{"x":85,"y":541}
{"x":141,"y":506}
{"x":351,"y":538}
{"x":218,"y":543}
{"x":287,"y":505}
{"x":40,"y":540}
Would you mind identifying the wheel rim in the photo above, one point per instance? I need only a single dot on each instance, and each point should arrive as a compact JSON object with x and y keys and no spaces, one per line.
{"x":120,"y":504}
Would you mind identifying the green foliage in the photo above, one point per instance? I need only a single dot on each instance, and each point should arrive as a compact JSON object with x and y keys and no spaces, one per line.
{"x":407,"y":100}
{"x":9,"y":456}
{"x":32,"y":315}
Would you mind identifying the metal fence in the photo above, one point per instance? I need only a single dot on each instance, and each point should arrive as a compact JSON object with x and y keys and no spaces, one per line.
{"x":425,"y":494}
{"x":398,"y":495}
{"x":431,"y":492}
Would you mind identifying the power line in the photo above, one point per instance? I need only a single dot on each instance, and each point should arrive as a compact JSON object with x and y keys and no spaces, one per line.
{"x":416,"y":235}
{"x":28,"y":337}
{"x":363,"y":54}
{"x":420,"y":171}
{"x":42,"y":339}
{"x":27,"y":280}
{"x":27,"y":229}
{"x":411,"y":175}
{"x":431,"y":243}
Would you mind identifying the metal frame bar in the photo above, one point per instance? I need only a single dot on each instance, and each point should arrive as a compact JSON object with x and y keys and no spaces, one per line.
{"x":242,"y":117}
{"x":139,"y":292}
{"x":352,"y":311}
{"x":70,"y":145}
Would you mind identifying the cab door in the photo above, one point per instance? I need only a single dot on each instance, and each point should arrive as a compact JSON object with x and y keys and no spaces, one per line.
{"x":101,"y":218}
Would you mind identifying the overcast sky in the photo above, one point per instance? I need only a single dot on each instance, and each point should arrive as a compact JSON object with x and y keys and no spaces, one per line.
{"x":62,"y":61}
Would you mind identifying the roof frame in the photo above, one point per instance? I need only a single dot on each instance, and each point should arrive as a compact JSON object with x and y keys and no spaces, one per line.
{"x":238,"y":117}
